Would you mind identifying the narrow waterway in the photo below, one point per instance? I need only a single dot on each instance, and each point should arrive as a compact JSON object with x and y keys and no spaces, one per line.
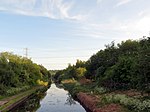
{"x":55,"y":100}
{"x":59,"y":100}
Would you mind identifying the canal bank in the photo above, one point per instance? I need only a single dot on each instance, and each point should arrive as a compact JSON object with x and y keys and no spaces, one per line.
{"x":90,"y":99}
{"x":12,"y":102}
{"x":100,"y":99}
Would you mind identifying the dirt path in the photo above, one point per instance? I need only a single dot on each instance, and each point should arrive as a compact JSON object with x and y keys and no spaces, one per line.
{"x":3,"y":102}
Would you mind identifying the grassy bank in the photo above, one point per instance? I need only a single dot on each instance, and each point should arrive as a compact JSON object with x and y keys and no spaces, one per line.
{"x":12,"y":101}
{"x":127,"y":101}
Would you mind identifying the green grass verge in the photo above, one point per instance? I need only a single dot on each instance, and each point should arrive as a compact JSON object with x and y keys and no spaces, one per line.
{"x":13,"y":99}
{"x":92,"y":89}
{"x":75,"y":88}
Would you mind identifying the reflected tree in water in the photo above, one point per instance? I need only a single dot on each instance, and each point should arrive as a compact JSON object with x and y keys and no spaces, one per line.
{"x":31,"y":105}
{"x":70,"y":101}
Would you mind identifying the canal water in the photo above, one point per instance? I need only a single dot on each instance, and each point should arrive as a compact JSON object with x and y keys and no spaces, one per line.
{"x":54,"y":100}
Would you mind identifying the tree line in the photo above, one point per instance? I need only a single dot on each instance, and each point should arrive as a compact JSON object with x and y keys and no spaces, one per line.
{"x":122,"y":66}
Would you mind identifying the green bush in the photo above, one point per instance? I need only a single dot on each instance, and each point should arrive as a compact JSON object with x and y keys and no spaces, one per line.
{"x":131,"y":103}
{"x":12,"y":91}
{"x":100,"y":90}
{"x":75,"y":88}
{"x":2,"y":89}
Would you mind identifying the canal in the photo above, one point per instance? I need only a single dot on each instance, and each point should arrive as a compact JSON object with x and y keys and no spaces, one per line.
{"x":54,"y":100}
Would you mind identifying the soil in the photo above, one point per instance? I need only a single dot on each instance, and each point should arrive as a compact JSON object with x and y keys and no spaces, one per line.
{"x":91,"y":102}
{"x":3,"y":102}
{"x":83,"y":81}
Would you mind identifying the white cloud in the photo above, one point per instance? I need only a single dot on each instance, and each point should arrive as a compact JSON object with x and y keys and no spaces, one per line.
{"x":122,"y":2}
{"x":56,"y":9}
{"x":143,"y":24}
{"x":96,"y":28}
{"x":117,"y":30}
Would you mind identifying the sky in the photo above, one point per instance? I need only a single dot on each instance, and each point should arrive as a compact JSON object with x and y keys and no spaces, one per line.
{"x":58,"y":32}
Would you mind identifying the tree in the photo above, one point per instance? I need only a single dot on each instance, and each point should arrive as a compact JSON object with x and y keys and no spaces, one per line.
{"x":80,"y":72}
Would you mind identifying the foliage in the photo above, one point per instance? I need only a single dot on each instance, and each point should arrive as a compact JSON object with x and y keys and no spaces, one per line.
{"x":42,"y":83}
{"x":68,"y":81}
{"x":17,"y":72}
{"x":125,"y":66}
{"x":80,"y":72}
{"x":132,"y":103}
{"x":71,"y":72}
{"x":118,"y":67}
{"x":100,"y":90}
{"x":75,"y":88}
{"x":13,"y":91}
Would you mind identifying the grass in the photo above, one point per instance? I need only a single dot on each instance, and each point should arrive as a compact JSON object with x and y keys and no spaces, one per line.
{"x":2,"y":97}
{"x":13,"y":99}
{"x":131,"y":103}
{"x":75,"y":87}
{"x":13,"y":91}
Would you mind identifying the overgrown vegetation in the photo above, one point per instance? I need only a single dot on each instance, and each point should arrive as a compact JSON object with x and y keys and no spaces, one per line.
{"x":129,"y":102}
{"x":19,"y":73}
{"x":75,"y":88}
{"x":125,"y":66}
{"x":121,"y":67}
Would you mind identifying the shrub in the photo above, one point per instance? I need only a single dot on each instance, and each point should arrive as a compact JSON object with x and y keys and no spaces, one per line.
{"x":100,"y":90}
{"x":12,"y":90}
{"x":2,"y":89}
{"x":131,"y":103}
{"x":80,"y":72}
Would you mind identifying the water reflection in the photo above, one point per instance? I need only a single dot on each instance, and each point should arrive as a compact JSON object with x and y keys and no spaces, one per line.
{"x":58,"y":100}
{"x":54,"y":100}
{"x":70,"y":101}
{"x":31,"y":105}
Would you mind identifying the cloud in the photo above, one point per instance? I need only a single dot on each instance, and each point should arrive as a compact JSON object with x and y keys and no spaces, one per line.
{"x":99,"y":21}
{"x":143,"y":24}
{"x":56,"y":9}
{"x":122,"y":2}
{"x":117,"y":30}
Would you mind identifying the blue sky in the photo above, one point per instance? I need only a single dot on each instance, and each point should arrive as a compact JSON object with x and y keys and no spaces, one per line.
{"x":58,"y":32}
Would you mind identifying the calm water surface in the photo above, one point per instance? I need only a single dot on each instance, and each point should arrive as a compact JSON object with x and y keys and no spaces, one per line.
{"x":55,"y":100}
{"x":59,"y":100}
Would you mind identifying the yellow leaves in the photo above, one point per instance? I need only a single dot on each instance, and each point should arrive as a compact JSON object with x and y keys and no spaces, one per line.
{"x":80,"y":72}
{"x":68,"y":81}
{"x":42,"y":83}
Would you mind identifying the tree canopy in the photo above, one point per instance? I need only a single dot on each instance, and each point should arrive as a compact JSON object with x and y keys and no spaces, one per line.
{"x":17,"y":71}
